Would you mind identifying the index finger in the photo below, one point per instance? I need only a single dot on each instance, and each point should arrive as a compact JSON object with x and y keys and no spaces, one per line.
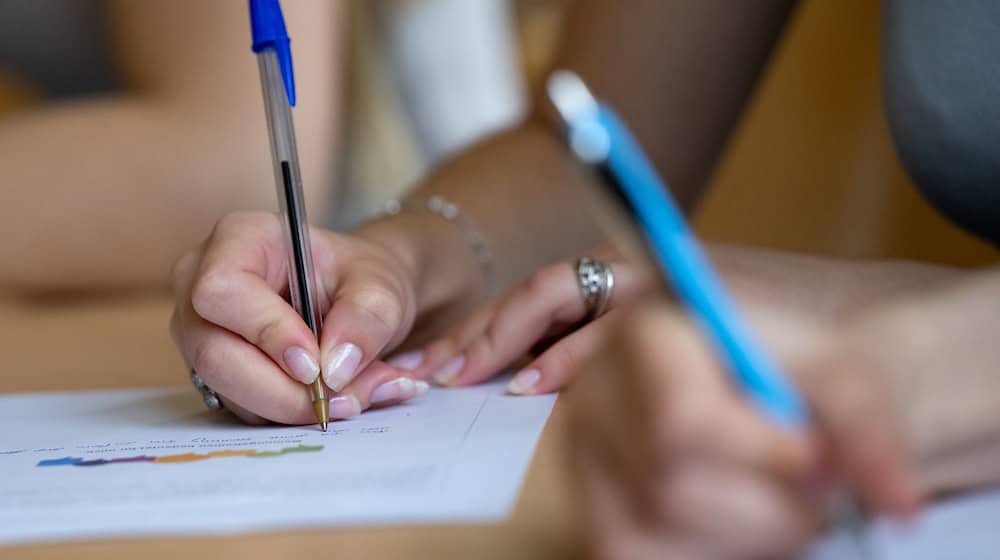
{"x":238,"y":287}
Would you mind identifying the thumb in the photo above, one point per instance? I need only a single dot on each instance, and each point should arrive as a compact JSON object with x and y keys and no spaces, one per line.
{"x":857,"y":417}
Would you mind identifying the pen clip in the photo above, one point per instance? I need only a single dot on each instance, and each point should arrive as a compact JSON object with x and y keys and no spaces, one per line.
{"x":269,"y":32}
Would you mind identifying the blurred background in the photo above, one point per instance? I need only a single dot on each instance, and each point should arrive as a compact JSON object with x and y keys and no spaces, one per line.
{"x":128,"y":128}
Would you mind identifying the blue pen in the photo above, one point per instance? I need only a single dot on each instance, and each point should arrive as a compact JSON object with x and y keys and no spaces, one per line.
{"x":274,"y":57}
{"x":599,"y":138}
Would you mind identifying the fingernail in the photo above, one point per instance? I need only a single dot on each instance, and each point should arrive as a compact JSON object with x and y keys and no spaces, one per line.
{"x":341,"y":366}
{"x":447,"y":373}
{"x":524,"y":382}
{"x":344,"y":407}
{"x":408,"y":361}
{"x":301,"y":364}
{"x":422,"y":388}
{"x":395,"y":390}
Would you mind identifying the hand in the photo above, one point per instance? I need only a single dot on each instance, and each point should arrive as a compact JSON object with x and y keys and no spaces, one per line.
{"x":233,"y":326}
{"x":546,"y":307}
{"x":672,"y":462}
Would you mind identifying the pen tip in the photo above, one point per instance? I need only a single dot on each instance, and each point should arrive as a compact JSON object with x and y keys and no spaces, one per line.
{"x":322,"y":410}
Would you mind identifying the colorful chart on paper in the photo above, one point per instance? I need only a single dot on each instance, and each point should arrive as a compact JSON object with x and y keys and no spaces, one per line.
{"x":178,"y":458}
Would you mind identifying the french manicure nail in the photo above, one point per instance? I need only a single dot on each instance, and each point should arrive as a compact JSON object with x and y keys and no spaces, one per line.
{"x":344,"y":407}
{"x":422,"y":388}
{"x":301,"y":364}
{"x":524,"y":382}
{"x":396,"y":390}
{"x":447,"y":373}
{"x":408,"y":361}
{"x":341,"y":365}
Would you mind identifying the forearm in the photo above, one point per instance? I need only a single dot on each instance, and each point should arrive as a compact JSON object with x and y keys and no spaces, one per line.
{"x":679,"y":72}
{"x":824,"y":288}
{"x":518,"y":189}
{"x":106,"y":194}
{"x":929,"y":330}
{"x":948,"y":382}
{"x":681,"y":90}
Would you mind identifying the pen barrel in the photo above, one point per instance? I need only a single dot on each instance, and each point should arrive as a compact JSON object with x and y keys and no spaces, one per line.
{"x":288,"y":178}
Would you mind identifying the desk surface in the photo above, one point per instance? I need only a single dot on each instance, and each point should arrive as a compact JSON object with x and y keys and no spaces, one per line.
{"x":101,"y":344}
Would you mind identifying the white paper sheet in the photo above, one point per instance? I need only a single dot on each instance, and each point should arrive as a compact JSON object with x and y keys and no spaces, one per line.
{"x":966,"y":528}
{"x":454,"y":455}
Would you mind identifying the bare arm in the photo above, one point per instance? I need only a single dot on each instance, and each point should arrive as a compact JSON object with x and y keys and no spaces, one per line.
{"x":680,"y":72}
{"x":106,"y":193}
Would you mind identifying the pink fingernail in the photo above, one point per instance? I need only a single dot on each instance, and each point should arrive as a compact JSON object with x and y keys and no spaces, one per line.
{"x":446,"y":375}
{"x":395,"y":390}
{"x":408,"y":361}
{"x":524,"y":382}
{"x":422,"y":388}
{"x":301,"y":365}
{"x":341,"y":366}
{"x":344,"y":407}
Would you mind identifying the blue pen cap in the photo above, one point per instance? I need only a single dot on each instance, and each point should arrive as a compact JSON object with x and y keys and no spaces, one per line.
{"x":269,"y":32}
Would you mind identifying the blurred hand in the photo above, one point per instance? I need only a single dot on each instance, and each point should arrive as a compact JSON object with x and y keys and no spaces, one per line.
{"x":233,"y":326}
{"x":672,"y":461}
{"x":546,"y":307}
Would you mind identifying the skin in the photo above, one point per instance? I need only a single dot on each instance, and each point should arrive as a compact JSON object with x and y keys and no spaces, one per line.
{"x":548,"y":306}
{"x":658,"y":478}
{"x":421,"y":275}
{"x":156,"y":164}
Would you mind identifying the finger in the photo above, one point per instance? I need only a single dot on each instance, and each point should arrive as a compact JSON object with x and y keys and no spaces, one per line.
{"x":733,"y":512}
{"x":610,"y":529}
{"x":549,"y":301}
{"x":234,"y":368}
{"x":683,"y":397}
{"x":242,"y":373}
{"x":370,"y":313}
{"x":238,"y":411}
{"x":854,"y":411}
{"x":243,"y":414}
{"x":443,"y":358}
{"x":558,"y":365}
{"x":238,"y":286}
{"x":614,"y":524}
{"x":597,"y":411}
{"x":378,"y":385}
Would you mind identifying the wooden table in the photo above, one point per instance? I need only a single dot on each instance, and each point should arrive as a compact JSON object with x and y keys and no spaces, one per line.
{"x":108,"y":344}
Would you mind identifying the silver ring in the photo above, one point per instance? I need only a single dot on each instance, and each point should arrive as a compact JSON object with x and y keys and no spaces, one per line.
{"x":596,"y":284}
{"x":208,"y":396}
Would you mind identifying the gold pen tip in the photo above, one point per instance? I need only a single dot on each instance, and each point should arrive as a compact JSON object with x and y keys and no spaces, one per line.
{"x":322,"y":409}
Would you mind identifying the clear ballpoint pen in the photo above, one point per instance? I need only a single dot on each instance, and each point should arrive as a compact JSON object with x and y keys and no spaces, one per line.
{"x":274,"y":57}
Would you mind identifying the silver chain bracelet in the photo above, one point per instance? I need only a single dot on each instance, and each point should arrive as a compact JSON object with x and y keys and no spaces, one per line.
{"x":450,"y":211}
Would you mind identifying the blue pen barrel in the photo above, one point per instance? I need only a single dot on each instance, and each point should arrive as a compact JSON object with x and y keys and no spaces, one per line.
{"x":680,"y":258}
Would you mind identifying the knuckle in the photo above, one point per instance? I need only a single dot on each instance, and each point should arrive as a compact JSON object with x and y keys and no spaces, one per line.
{"x":541,"y":283}
{"x":238,"y":221}
{"x":680,"y":427}
{"x":380,"y":304}
{"x":211,"y":290}
{"x":266,"y":333}
{"x":492,"y":339}
{"x":207,"y":360}
{"x":559,"y":359}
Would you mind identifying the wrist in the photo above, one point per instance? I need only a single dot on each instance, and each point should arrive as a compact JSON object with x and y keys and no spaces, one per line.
{"x":433,"y":257}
